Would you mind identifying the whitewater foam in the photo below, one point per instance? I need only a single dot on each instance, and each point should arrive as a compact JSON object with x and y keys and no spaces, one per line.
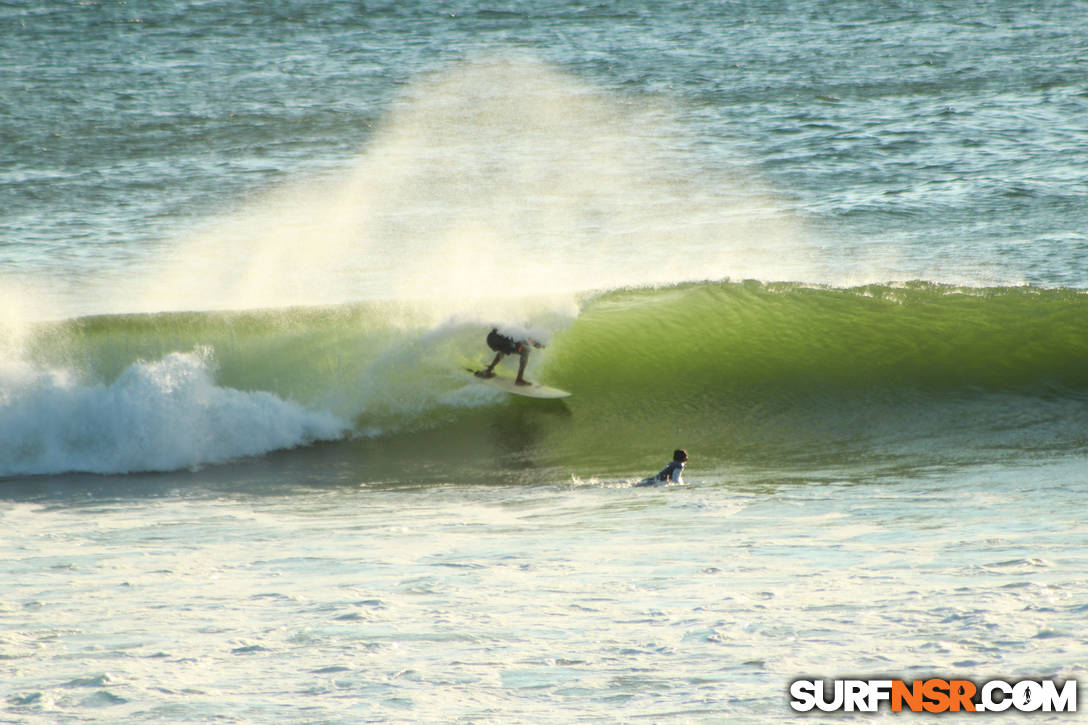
{"x":163,"y":415}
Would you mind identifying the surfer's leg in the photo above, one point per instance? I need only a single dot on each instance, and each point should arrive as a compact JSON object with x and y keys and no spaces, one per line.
{"x":521,"y":367}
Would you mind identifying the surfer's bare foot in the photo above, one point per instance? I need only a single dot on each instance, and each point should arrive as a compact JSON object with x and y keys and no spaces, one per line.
{"x":484,"y":374}
{"x":522,"y":382}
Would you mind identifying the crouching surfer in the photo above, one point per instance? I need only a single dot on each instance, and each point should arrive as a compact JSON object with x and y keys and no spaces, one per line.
{"x":503,"y":346}
{"x":670,"y":473}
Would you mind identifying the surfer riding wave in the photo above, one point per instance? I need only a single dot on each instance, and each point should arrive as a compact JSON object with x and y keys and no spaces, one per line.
{"x":504,"y":345}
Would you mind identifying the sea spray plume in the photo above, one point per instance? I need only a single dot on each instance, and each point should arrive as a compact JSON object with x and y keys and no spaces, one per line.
{"x":501,"y":178}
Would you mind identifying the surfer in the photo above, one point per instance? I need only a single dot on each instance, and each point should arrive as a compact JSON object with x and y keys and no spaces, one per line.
{"x":503,"y":346}
{"x":670,"y":473}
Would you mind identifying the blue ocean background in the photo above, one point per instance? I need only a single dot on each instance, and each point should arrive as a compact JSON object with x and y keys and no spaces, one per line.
{"x":836,"y":251}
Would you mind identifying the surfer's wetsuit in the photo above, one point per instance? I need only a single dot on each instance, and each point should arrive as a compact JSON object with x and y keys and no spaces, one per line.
{"x":670,"y":473}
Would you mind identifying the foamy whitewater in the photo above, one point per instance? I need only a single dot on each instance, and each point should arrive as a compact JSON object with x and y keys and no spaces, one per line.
{"x":249,"y":254}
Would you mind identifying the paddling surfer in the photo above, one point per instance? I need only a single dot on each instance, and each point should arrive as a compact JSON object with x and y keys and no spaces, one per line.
{"x":670,"y":473}
{"x":504,"y":345}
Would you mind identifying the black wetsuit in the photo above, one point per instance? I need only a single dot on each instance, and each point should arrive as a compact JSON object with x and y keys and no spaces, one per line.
{"x":665,"y":475}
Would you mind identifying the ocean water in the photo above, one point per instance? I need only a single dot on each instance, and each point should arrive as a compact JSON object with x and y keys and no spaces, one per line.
{"x":836,"y":251}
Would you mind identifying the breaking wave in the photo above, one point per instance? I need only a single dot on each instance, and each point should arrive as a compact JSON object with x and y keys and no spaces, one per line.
{"x":740,"y":369}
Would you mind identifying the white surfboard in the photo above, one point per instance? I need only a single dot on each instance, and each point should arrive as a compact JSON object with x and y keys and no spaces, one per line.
{"x":532,"y":390}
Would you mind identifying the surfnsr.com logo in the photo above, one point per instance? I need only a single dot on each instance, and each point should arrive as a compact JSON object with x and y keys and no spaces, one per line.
{"x":934,"y":695}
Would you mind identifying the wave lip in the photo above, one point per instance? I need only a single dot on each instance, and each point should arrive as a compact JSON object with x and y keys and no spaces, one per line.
{"x":156,"y":416}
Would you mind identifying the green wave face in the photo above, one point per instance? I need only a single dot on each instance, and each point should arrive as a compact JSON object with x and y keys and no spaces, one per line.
{"x":755,"y":339}
{"x":757,"y":372}
{"x":738,"y":373}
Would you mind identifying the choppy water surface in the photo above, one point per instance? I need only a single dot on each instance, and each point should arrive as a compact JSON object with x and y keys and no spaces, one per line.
{"x":589,"y":601}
